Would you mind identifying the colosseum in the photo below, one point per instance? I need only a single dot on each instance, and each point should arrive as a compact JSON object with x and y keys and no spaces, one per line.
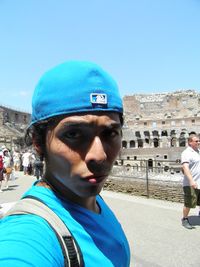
{"x":157,"y":126}
{"x":155,"y":132}
{"x":13,"y":123}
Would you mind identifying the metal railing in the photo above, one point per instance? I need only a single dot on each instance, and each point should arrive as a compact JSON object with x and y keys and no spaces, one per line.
{"x":148,"y":170}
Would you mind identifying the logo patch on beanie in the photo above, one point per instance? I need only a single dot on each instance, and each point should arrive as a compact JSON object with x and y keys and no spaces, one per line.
{"x":98,"y":99}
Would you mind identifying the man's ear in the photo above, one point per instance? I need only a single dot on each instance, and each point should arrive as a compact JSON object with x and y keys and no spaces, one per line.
{"x":36,"y":146}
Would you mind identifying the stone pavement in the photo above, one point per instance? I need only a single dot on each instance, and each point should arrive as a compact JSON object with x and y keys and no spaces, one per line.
{"x":16,"y":187}
{"x":153,"y":227}
{"x":155,"y":233}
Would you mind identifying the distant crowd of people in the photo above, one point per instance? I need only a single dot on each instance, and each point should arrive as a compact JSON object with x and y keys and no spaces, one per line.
{"x":12,"y":161}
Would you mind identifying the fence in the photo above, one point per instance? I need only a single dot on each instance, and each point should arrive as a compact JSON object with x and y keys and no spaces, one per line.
{"x":155,"y":178}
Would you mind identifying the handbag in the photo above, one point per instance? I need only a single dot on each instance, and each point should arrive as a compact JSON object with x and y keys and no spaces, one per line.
{"x":8,"y":170}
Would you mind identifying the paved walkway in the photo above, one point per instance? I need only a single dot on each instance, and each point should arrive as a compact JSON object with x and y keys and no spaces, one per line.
{"x":155,"y":233}
{"x":153,"y":227}
{"x":16,"y":187}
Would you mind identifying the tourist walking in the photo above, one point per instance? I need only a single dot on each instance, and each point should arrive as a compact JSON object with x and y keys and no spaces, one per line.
{"x":27,"y":158}
{"x":190,"y":160}
{"x":16,"y":160}
{"x":1,"y":172}
{"x":77,"y":118}
{"x":7,"y":163}
{"x":38,"y":166}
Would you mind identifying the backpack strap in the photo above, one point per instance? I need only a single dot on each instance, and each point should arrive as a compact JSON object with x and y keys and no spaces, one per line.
{"x":31,"y":205}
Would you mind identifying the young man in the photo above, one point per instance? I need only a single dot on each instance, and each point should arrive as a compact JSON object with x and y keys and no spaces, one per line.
{"x":76,"y":126}
{"x":190,"y":159}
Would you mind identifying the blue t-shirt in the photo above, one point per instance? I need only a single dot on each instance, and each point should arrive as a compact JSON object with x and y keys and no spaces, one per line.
{"x":28,"y":240}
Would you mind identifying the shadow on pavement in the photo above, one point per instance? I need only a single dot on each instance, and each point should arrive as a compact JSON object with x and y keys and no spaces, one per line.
{"x":10,"y":188}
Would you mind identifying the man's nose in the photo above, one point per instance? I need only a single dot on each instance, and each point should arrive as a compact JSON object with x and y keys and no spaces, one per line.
{"x":96,"y":151}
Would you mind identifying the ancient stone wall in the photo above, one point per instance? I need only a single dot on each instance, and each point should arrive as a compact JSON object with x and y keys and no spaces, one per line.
{"x":170,"y":191}
{"x":160,"y":121}
{"x":158,"y":106}
{"x":12,"y":127}
{"x":14,"y":117}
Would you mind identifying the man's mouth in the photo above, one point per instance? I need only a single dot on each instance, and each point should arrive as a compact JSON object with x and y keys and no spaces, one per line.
{"x":96,"y":179}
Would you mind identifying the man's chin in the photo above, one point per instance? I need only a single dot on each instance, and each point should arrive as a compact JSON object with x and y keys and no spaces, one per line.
{"x":90,"y":191}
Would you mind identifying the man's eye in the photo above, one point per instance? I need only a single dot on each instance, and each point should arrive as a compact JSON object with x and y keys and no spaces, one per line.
{"x":111,"y":133}
{"x":73,"y":134}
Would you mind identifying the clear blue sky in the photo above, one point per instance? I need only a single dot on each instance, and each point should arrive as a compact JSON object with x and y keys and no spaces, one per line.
{"x":148,"y":46}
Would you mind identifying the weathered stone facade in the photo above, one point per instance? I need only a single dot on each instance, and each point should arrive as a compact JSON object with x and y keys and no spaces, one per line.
{"x":170,"y":191}
{"x":157,"y":125}
{"x":154,"y":135}
{"x":12,"y":127}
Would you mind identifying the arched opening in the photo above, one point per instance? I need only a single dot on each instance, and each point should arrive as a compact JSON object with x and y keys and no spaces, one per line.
{"x":150,"y":164}
{"x":173,"y":133}
{"x":146,"y":137}
{"x":146,"y":134}
{"x":182,"y":140}
{"x":124,"y":144}
{"x":164,"y":133}
{"x":155,"y":133}
{"x":132,"y":144}
{"x":137,"y":134}
{"x":173,"y":142}
{"x":155,"y":142}
{"x":140,"y":143}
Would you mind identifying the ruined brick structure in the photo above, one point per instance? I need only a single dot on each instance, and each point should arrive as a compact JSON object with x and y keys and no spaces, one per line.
{"x":154,"y":135}
{"x":157,"y":125}
{"x":12,"y":127}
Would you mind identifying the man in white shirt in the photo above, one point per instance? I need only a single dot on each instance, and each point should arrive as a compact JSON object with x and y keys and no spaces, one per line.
{"x":190,"y":160}
{"x":27,"y":159}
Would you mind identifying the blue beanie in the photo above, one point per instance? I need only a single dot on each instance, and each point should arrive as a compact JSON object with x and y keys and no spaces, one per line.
{"x":75,"y":87}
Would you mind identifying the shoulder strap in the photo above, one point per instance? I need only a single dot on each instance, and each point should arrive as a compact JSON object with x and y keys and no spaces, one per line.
{"x":71,"y":251}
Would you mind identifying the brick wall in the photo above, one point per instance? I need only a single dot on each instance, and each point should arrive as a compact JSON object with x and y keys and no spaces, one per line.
{"x":171,"y":191}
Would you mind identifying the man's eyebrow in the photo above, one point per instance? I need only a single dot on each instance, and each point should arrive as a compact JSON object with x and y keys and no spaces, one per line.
{"x":84,"y":123}
{"x":74,"y":123}
{"x":114,"y":125}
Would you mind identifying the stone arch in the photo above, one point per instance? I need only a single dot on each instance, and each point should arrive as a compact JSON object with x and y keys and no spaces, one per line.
{"x":132,"y":144}
{"x":147,"y":137}
{"x":155,"y":142}
{"x":155,"y":133}
{"x":173,"y":133}
{"x":192,"y":133}
{"x":140,"y":143}
{"x":137,"y":134}
{"x":182,"y":139}
{"x":164,"y":133}
{"x":124,"y":144}
{"x":173,"y":141}
{"x":147,"y":134}
{"x":150,"y":163}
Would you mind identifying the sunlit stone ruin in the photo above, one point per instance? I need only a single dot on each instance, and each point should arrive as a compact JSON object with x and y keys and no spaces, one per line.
{"x":155,"y":132}
{"x":156,"y":128}
{"x":12,"y":127}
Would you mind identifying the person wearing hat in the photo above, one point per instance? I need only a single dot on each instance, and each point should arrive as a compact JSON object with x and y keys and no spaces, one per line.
{"x":77,"y":116}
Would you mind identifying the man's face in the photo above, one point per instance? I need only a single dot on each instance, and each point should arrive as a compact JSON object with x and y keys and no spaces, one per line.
{"x":81,"y":150}
{"x":194,"y":143}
